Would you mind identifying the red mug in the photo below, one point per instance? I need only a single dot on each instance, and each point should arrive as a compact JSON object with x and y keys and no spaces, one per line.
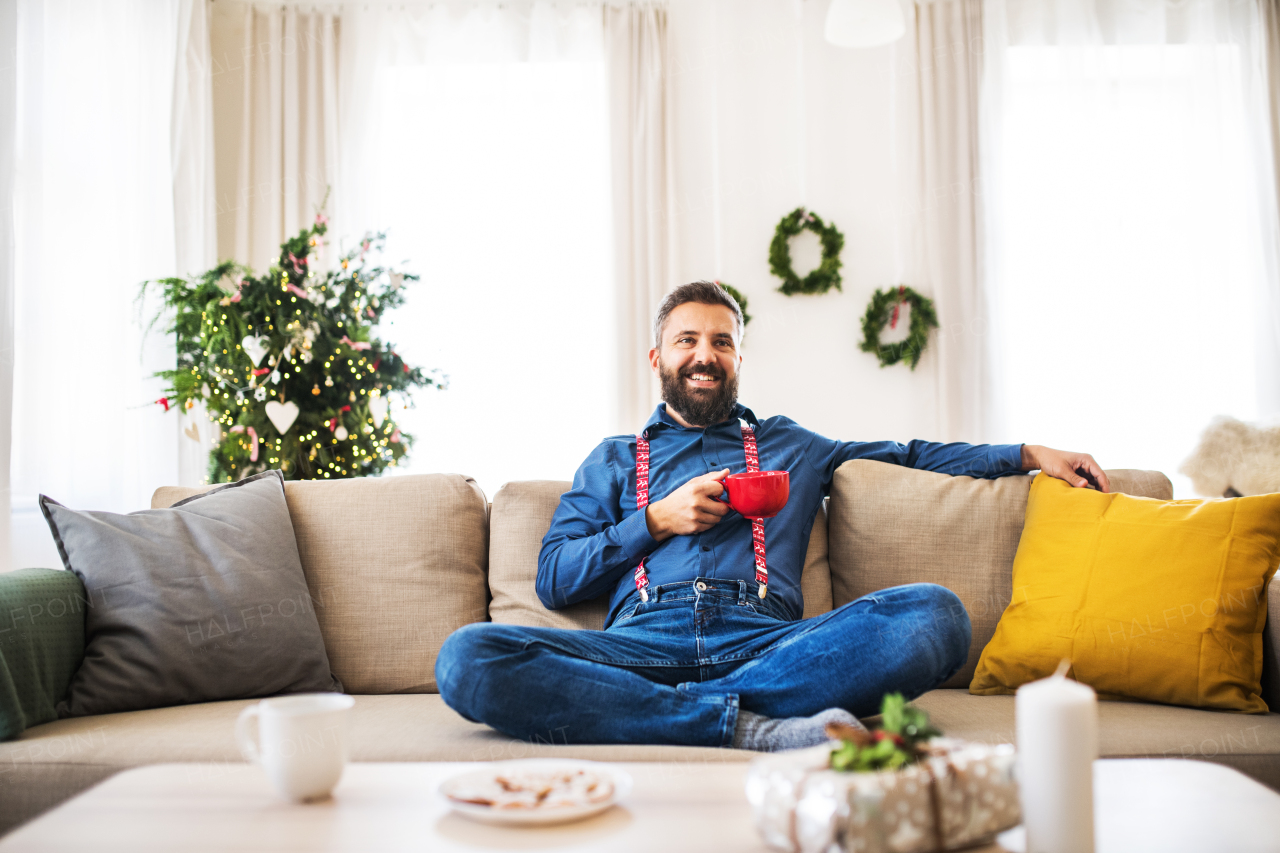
{"x":758,"y":494}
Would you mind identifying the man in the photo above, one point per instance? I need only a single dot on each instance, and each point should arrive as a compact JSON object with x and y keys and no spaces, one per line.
{"x":703,"y":643}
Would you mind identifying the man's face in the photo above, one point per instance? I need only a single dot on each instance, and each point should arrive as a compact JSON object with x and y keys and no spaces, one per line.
{"x":698,"y":363}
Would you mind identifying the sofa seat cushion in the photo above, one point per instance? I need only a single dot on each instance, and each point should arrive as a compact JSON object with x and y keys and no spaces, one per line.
{"x":403,"y":727}
{"x":52,"y":762}
{"x":1248,"y":742}
{"x":394,"y":566}
{"x":420,"y":727}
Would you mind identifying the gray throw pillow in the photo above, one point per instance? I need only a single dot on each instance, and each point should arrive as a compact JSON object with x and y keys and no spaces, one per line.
{"x":203,"y":601}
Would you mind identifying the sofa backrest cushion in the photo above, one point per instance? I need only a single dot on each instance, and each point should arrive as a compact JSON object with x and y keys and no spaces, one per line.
{"x":394,"y":565}
{"x":891,"y":525}
{"x":521,"y":516}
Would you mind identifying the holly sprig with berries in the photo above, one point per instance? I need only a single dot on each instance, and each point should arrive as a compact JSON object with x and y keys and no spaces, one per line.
{"x":899,"y":739}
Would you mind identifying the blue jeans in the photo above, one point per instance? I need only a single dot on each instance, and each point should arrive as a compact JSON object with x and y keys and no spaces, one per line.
{"x":676,"y":669}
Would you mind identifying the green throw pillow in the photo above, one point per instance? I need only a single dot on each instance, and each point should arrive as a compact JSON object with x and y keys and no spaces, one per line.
{"x":41,"y":645}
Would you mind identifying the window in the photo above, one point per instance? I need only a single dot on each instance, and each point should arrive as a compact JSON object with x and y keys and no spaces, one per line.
{"x":94,"y":217}
{"x":493,"y":180}
{"x":1130,"y":255}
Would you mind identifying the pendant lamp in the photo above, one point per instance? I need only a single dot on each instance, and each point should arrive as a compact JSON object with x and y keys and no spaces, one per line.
{"x":864,"y":23}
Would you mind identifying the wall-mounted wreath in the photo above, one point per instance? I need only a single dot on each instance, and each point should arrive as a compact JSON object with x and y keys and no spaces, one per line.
{"x":883,"y":310}
{"x":827,"y":273}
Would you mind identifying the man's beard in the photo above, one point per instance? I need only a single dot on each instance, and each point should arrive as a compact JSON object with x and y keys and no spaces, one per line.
{"x":701,"y":407}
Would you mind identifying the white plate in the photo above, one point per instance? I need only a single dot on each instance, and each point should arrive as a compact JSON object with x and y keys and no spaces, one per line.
{"x":526,"y":817}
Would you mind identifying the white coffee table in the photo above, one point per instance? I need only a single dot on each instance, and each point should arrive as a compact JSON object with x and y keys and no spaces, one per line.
{"x":1156,"y":805}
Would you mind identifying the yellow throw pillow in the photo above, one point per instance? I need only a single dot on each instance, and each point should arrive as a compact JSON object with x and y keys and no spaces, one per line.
{"x":1157,"y":600}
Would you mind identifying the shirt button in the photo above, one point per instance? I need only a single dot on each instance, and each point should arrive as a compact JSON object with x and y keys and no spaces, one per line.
{"x":706,"y":547}
{"x":700,"y":586}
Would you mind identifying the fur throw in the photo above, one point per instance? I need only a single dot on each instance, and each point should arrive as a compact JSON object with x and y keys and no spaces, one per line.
{"x":1235,"y":458}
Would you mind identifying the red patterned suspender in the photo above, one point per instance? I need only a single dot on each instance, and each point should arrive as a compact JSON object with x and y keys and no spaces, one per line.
{"x":642,"y":501}
{"x":757,"y":524}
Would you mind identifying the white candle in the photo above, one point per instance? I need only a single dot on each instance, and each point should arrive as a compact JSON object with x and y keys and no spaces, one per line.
{"x":1057,"y":724}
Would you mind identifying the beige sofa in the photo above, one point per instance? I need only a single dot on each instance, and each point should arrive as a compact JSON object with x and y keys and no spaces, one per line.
{"x":396,"y":564}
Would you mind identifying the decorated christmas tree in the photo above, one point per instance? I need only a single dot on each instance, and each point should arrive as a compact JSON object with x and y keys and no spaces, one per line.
{"x":286,"y":363}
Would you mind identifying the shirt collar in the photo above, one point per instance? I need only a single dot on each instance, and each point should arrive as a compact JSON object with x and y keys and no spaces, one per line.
{"x":660,"y":418}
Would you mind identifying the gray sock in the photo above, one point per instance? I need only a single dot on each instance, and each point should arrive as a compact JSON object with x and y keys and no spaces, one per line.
{"x":765,"y":734}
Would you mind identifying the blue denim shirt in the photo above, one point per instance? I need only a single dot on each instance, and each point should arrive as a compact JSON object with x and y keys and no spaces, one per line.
{"x":597,"y":538}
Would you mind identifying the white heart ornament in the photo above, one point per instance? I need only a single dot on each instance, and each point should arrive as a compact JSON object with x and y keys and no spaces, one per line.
{"x":255,"y":348}
{"x":341,"y":433}
{"x":378,"y":410}
{"x":282,"y":415}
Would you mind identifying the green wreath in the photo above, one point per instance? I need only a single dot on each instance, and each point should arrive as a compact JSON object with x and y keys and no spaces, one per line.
{"x":739,"y":298}
{"x":884,"y":310}
{"x":827,"y":274}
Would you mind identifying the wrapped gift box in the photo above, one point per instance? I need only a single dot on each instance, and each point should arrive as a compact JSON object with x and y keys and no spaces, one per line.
{"x":959,"y":795}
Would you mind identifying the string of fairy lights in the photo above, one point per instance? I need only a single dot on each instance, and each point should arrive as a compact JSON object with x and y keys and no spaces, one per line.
{"x":287,"y":365}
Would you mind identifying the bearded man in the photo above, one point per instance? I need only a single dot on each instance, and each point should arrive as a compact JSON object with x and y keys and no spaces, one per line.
{"x":704,"y":644}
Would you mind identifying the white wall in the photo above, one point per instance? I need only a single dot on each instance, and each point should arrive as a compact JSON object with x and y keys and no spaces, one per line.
{"x":737,"y":60}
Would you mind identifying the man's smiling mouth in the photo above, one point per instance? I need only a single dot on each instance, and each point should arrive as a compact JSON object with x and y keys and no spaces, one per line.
{"x":702,"y":380}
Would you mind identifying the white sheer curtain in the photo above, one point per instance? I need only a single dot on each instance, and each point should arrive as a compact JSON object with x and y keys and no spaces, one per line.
{"x":194,"y":194}
{"x":277,"y":114}
{"x":944,"y":177}
{"x":1263,"y":52}
{"x":1131,"y":209}
{"x":636,"y":47}
{"x":479,"y":137}
{"x":8,"y":142}
{"x":95,"y":213}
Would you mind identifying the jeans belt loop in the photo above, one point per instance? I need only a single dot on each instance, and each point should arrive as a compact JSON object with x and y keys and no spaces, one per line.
{"x":742,"y":593}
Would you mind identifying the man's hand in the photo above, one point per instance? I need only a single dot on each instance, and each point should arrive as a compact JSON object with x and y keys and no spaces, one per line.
{"x":1075,"y":468}
{"x":692,"y":508}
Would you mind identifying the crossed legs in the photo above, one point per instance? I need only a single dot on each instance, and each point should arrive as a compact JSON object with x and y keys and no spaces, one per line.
{"x":633,"y":684}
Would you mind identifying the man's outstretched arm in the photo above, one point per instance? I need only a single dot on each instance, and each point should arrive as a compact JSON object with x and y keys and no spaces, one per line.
{"x":959,"y":459}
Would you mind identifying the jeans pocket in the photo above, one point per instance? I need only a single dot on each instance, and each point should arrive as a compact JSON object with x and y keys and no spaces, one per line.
{"x":627,"y":613}
{"x":766,"y":608}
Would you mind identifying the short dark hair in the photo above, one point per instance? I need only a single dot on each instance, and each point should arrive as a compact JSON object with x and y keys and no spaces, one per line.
{"x":702,"y":292}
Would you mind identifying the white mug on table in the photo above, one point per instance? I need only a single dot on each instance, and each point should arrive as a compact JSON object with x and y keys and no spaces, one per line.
{"x":301,"y":741}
